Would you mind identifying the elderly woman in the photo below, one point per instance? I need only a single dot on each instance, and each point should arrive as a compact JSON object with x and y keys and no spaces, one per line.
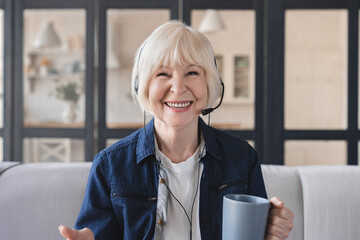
{"x":167,"y":180}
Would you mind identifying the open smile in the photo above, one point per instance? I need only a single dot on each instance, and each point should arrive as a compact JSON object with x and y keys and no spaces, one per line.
{"x":178,"y":105}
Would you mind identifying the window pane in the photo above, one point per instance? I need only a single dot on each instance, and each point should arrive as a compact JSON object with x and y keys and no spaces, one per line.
{"x":359,"y":81}
{"x":53,"y":150}
{"x":299,"y":153}
{"x":111,"y":141}
{"x":235,"y":46}
{"x":126,"y":31}
{"x":359,"y":153}
{"x":1,"y":68}
{"x":1,"y":149}
{"x":54,"y":63}
{"x":316,"y":69}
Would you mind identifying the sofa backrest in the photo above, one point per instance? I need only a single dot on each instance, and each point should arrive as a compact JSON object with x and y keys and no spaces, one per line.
{"x":36,"y":198}
{"x":38,"y":195}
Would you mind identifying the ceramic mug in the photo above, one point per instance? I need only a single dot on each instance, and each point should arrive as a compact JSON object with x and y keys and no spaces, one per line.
{"x":244,"y":217}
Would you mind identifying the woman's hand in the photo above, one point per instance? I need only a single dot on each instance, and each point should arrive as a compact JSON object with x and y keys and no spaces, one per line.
{"x":71,"y":234}
{"x":280,"y":221}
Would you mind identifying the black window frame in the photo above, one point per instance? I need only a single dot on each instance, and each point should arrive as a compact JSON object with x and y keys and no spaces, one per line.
{"x":6,"y":132}
{"x":276,"y":135}
{"x":104,"y":132}
{"x":255,"y":134}
{"x":269,"y":133}
{"x":21,"y":132}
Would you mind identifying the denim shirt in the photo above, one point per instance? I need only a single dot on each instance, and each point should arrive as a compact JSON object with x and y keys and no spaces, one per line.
{"x":121,"y":195}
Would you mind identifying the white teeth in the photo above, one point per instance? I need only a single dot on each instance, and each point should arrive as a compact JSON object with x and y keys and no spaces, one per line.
{"x":178,"y":105}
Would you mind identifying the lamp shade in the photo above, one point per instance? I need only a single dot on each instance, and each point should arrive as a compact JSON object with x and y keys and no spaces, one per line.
{"x":47,"y":37}
{"x":211,"y":22}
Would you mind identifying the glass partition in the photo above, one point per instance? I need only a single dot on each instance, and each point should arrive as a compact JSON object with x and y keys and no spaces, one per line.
{"x":359,"y":153}
{"x":234,"y":48}
{"x":1,"y":81}
{"x":111,"y":141}
{"x":316,"y":69}
{"x":126,"y":30}
{"x":1,"y":149}
{"x":1,"y":69}
{"x":54,"y":68}
{"x":310,"y":152}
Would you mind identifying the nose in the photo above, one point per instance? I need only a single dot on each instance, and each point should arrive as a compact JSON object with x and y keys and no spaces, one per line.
{"x":178,"y":84}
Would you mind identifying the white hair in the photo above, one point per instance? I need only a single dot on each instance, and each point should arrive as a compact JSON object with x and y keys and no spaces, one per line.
{"x":170,"y":44}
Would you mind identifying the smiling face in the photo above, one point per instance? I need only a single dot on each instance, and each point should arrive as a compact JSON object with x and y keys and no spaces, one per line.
{"x":177,"y":94}
{"x":172,"y":44}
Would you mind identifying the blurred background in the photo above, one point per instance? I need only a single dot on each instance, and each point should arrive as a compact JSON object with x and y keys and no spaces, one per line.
{"x":290,"y":70}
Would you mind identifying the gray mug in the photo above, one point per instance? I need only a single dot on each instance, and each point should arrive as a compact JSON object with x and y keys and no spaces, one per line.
{"x":244,"y":217}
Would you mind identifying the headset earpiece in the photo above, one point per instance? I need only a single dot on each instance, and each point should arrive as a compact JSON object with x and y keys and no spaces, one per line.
{"x":136,"y":84}
{"x":209,"y":110}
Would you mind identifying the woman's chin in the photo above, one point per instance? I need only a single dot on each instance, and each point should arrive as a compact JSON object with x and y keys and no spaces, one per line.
{"x":181,"y":121}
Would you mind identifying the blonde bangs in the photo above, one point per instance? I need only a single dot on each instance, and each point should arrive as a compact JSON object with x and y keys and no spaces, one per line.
{"x":171,"y":44}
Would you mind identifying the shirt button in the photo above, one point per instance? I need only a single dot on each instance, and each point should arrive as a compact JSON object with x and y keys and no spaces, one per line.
{"x":162,"y":180}
{"x":160,"y":222}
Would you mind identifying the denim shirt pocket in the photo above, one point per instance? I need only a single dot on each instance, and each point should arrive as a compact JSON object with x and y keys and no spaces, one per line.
{"x":238,"y":186}
{"x":218,"y":190}
{"x":136,"y":211}
{"x":133,"y":196}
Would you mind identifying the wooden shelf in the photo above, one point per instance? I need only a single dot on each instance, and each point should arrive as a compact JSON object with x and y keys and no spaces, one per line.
{"x":124,"y":125}
{"x":77,"y":75}
{"x":53,"y":125}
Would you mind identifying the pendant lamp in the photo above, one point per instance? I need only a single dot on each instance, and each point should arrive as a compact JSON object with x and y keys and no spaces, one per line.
{"x":47,"y":37}
{"x":211,"y":22}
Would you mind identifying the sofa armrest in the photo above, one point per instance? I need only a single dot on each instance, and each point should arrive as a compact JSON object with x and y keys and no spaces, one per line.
{"x":284,"y":182}
{"x":331,"y":202}
{"x":4,"y":166}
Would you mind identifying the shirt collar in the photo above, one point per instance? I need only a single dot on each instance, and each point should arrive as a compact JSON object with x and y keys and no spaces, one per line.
{"x":211,"y":144}
{"x":145,"y":144}
{"x":144,"y":149}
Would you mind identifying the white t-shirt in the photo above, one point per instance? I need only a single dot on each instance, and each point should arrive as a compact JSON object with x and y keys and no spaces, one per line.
{"x":183,"y":179}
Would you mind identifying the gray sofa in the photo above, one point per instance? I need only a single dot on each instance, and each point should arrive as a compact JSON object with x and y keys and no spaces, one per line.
{"x":36,"y":198}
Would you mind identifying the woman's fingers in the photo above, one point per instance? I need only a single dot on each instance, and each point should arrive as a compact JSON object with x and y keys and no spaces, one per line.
{"x":276,"y":202}
{"x":68,"y":233}
{"x":273,"y":233}
{"x":71,"y":234}
{"x":280,"y":221}
{"x":283,"y":212}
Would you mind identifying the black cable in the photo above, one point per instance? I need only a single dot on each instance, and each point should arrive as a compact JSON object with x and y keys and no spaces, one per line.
{"x":158,"y":162}
{"x":197,"y":188}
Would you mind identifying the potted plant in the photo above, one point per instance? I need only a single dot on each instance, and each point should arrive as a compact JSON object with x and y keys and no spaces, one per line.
{"x":69,"y":92}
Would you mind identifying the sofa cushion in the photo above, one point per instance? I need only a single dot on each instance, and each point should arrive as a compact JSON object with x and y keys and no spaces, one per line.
{"x":284,"y":182}
{"x":331,"y":202}
{"x":37,"y":198}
